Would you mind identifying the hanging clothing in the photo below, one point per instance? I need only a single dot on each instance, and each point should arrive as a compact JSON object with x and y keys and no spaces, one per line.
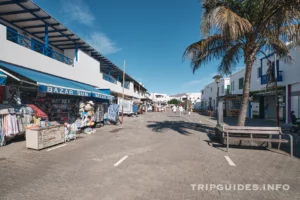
{"x":11,"y":125}
{"x":99,"y":113}
{"x":113,"y":111}
{"x":2,"y":134}
{"x":21,"y":124}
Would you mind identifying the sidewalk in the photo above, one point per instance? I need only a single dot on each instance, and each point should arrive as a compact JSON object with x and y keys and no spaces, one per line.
{"x":232,"y":121}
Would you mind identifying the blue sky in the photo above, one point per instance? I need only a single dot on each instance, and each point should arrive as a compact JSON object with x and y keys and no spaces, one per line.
{"x":150,"y":35}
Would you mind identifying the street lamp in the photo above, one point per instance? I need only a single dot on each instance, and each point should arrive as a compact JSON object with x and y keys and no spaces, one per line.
{"x":217,"y":80}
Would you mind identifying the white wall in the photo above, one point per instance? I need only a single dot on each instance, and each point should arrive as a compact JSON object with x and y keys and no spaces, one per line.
{"x":223,"y":84}
{"x":236,"y":77}
{"x":290,"y":75}
{"x":86,"y":70}
{"x":21,"y":32}
{"x":210,"y":91}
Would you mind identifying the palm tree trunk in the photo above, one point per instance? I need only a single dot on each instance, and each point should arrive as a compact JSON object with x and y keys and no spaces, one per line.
{"x":249,"y":58}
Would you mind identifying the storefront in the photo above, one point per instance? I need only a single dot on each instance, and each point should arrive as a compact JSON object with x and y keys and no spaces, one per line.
{"x":264,"y":104}
{"x":60,"y":99}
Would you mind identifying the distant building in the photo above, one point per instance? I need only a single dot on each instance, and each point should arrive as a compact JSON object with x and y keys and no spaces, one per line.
{"x":193,"y":97}
{"x":159,"y":98}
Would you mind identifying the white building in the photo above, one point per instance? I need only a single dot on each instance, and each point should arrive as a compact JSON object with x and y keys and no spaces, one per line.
{"x":288,"y":77}
{"x":237,"y":82}
{"x":209,"y":93}
{"x":32,"y":39}
{"x":193,"y":97}
{"x":159,"y":98}
{"x":263,"y":101}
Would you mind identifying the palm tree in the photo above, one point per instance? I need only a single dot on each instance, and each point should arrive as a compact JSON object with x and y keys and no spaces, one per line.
{"x":236,"y":30}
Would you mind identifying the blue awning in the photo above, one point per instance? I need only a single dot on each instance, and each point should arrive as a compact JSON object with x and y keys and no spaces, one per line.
{"x":2,"y":79}
{"x":95,"y":93}
{"x":52,"y":84}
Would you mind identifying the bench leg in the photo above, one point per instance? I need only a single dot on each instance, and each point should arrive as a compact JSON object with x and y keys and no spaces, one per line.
{"x":227,"y":142}
{"x":269,"y":143}
{"x":240,"y":142}
{"x":223,"y":139}
{"x":292,"y":144}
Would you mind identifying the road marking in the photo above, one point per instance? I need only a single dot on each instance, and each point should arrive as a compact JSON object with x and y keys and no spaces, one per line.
{"x":187,"y":118}
{"x":56,"y":147}
{"x":120,"y":161}
{"x":229,"y":161}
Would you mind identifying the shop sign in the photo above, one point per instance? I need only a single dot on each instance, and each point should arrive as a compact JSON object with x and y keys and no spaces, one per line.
{"x":58,"y":90}
{"x":255,"y":108}
{"x":102,"y":96}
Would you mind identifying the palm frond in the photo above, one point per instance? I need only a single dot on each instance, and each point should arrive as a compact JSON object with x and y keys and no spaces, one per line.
{"x":231,"y":25}
{"x":206,"y":50}
{"x":281,"y":50}
{"x":231,"y":59}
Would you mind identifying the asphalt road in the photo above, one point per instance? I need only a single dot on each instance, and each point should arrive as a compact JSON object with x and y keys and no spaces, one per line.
{"x":154,"y":156}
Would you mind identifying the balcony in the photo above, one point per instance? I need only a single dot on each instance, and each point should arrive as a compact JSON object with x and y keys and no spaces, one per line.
{"x":127,"y":85}
{"x":37,"y":46}
{"x":109,"y":78}
{"x":266,"y":78}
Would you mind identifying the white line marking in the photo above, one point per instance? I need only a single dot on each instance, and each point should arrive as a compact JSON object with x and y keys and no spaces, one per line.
{"x":56,"y":147}
{"x":229,"y":161}
{"x":187,"y":118}
{"x":120,"y":161}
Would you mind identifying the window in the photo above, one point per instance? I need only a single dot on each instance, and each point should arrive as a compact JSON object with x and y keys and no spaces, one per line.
{"x":259,"y":72}
{"x":232,"y":86}
{"x":222,"y":89}
{"x":241,"y":83}
{"x":228,"y":89}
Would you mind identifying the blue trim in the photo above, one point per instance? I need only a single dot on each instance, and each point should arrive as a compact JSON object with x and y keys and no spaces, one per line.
{"x":104,"y":91}
{"x":48,"y":83}
{"x":37,"y":46}
{"x":109,"y":78}
{"x":127,"y":84}
{"x":249,"y":108}
{"x":52,"y":84}
{"x":46,"y":36}
{"x":109,"y":70}
{"x":76,"y":52}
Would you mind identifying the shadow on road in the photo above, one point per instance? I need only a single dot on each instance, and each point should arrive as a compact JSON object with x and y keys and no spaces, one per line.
{"x":181,"y":127}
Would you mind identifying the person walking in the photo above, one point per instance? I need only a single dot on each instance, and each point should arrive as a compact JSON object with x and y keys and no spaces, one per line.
{"x":174,"y":110}
{"x":180,"y":110}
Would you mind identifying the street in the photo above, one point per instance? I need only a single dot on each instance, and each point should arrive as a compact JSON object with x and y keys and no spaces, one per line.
{"x":153,"y":156}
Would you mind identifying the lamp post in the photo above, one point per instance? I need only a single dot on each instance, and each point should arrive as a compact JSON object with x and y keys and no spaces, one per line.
{"x":217,"y":80}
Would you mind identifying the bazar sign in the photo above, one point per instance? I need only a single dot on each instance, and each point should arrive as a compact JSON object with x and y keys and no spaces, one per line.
{"x":59,"y":90}
{"x":102,"y":96}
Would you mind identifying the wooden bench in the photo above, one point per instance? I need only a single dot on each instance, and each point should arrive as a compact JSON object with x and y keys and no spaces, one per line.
{"x":260,"y":134}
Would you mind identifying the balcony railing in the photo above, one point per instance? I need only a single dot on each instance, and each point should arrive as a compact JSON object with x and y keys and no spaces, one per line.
{"x":127,"y":85}
{"x":109,"y":78}
{"x":38,"y":47}
{"x":266,"y":78}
